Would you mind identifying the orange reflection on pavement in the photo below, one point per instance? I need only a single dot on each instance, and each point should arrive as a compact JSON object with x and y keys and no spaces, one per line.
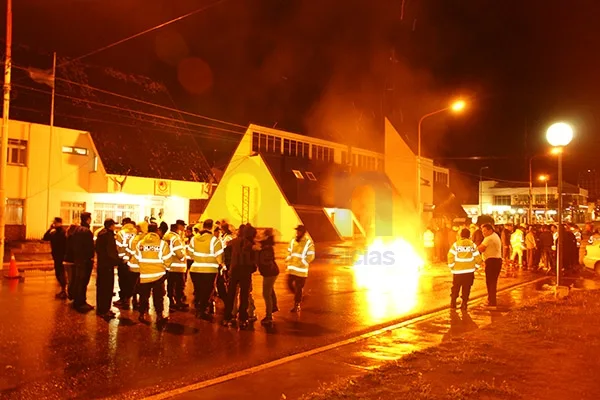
{"x":388,"y":272}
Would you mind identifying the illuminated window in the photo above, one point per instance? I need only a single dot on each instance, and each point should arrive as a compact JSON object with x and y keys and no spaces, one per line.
{"x":310,"y":176}
{"x":17,"y":152}
{"x":70,"y":212}
{"x":102,"y":211}
{"x":298,"y":174}
{"x":15,"y":210}
{"x":80,"y":151}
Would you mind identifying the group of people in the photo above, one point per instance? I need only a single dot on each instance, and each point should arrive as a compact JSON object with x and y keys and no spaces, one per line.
{"x":155,"y":260}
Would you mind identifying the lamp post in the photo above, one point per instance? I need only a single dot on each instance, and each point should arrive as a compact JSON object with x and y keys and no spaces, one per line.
{"x":481,"y":190}
{"x":558,"y":136}
{"x":457,"y":106}
{"x":545,"y":178}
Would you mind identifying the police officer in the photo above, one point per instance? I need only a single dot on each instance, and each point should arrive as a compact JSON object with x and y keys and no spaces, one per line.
{"x":463,"y":259}
{"x":107,"y":260}
{"x":123,"y":237}
{"x":206,"y":251}
{"x":81,"y":245}
{"x":301,"y":253}
{"x":177,"y":269}
{"x":132,"y":263}
{"x":151,"y":253}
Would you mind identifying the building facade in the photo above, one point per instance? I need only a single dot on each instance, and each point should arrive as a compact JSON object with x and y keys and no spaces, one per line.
{"x":63,"y":172}
{"x":509,"y":203}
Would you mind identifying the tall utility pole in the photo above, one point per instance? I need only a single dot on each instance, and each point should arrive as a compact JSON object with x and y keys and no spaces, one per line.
{"x":5,"y":118}
{"x":51,"y":135}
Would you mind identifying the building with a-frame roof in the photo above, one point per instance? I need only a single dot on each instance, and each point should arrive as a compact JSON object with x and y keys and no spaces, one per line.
{"x":280,"y":179}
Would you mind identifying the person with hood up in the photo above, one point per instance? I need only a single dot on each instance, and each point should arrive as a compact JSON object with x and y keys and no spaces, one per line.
{"x":206,"y":250}
{"x":243,"y":265}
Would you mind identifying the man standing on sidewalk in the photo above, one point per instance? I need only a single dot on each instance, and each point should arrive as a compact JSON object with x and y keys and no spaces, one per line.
{"x":57,"y":237}
{"x":491,"y":248}
{"x":81,"y":243}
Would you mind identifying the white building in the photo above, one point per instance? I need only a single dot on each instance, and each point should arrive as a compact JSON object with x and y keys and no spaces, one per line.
{"x":509,"y":203}
{"x":108,"y":173}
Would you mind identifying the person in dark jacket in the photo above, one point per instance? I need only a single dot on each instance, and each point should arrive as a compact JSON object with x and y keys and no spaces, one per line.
{"x":243,"y":265}
{"x":546,"y":243}
{"x":80,"y":246}
{"x":269,"y":270}
{"x":57,"y":236}
{"x":69,"y":263}
{"x":107,"y":260}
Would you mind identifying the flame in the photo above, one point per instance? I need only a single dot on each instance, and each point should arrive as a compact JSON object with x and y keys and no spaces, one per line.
{"x":389,"y":273}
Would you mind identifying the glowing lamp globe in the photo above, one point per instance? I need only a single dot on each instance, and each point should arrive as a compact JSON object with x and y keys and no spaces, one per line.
{"x":559,"y":134}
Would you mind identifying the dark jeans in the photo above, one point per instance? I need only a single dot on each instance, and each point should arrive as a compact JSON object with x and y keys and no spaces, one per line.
{"x":296,"y":286}
{"x":82,"y":271}
{"x":222,"y":285}
{"x":203,"y":288}
{"x":464,"y":282}
{"x":269,"y":294}
{"x":105,"y":284}
{"x":59,"y":272}
{"x":175,"y":286}
{"x":548,"y":257}
{"x":531,"y":259}
{"x":126,"y":282}
{"x":492,"y":272}
{"x":244,"y":282}
{"x":157,"y":288}
{"x":70,"y":281}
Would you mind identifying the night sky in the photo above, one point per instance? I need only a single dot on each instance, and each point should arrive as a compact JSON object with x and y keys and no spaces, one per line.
{"x":335,"y":68}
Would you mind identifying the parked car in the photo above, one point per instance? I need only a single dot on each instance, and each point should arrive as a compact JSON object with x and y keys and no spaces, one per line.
{"x":591,"y":259}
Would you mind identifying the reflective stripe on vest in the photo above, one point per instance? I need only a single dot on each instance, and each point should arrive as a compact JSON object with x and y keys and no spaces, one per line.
{"x":150,"y":276}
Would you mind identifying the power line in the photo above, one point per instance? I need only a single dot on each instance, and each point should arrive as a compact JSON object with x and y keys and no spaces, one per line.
{"x":142,"y":101}
{"x":199,"y":10}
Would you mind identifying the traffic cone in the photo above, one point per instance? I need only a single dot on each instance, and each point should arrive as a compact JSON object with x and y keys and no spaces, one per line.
{"x":13,"y":272}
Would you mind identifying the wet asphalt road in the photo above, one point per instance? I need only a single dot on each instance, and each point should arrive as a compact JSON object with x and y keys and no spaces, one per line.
{"x":47,"y":350}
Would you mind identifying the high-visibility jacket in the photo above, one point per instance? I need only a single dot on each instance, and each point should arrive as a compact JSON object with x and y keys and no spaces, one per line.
{"x":516,"y":240}
{"x":207,"y":252}
{"x":463,"y":257}
{"x":428,"y":239}
{"x":594,"y":239}
{"x":123,"y":237}
{"x":133,"y":262}
{"x":151,"y":252}
{"x":176,"y":260}
{"x":300,"y":254}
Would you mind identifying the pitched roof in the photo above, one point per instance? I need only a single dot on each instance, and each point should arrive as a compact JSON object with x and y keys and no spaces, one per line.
{"x":333,"y":185}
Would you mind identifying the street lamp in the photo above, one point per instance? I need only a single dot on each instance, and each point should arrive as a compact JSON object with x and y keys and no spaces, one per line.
{"x":545,"y":178}
{"x":481,"y":190}
{"x":456,"y":107}
{"x":558,"y":136}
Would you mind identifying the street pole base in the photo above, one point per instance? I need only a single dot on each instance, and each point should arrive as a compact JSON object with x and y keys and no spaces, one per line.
{"x":562,"y":292}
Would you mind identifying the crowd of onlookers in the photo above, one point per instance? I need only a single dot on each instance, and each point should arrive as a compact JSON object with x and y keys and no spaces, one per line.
{"x":531,"y":247}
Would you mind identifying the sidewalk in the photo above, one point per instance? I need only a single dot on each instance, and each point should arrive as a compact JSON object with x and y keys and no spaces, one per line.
{"x":316,"y":370}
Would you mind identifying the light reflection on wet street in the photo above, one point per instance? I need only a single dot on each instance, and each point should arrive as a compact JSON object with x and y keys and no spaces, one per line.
{"x":49,"y":350}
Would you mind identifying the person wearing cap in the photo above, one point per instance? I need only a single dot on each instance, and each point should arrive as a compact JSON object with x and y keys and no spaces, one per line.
{"x":57,"y":236}
{"x":81,"y":248}
{"x":107,"y":259}
{"x":134,"y":267}
{"x":151,"y":253}
{"x":177,"y":269}
{"x":206,"y":250}
{"x":301,"y":253}
{"x":122,"y":238}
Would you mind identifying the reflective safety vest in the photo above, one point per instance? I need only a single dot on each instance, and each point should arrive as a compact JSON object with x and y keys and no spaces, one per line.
{"x":428,"y":239}
{"x":176,"y":257}
{"x":300,"y":254}
{"x":207,"y":252}
{"x":463,"y":257}
{"x":516,"y":240}
{"x":151,"y":253}
{"x":594,"y":239}
{"x":123,"y":237}
{"x":133,"y":262}
{"x":577,"y":237}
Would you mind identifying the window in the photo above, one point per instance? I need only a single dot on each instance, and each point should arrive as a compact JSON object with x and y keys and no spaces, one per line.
{"x":271,"y":144}
{"x":286,"y":147}
{"x":15,"y":209}
{"x":540,"y":199}
{"x":293,"y":148}
{"x":344,"y":157}
{"x":354,"y":160}
{"x":117,"y":212}
{"x":277,"y":145}
{"x":502,"y":200}
{"x":306,"y":149}
{"x":380,"y":165}
{"x":310,"y":176}
{"x":70,"y":212}
{"x":262,"y":142}
{"x":80,"y":151}
{"x":298,"y":174}
{"x":17,"y":152}
{"x":521,"y":200}
{"x":440,"y":177}
{"x":255,"y":137}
